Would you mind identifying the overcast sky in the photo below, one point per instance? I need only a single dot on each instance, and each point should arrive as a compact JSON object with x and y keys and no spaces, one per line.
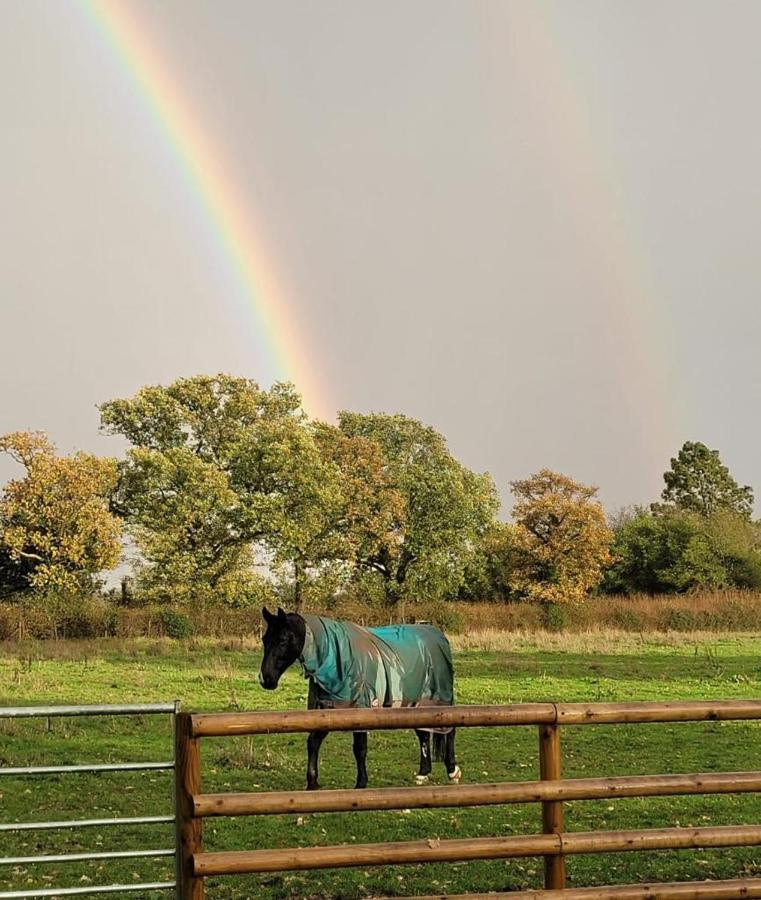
{"x":534,"y":226}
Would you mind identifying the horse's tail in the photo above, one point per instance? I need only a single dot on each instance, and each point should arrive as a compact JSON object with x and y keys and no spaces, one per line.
{"x":439,"y":746}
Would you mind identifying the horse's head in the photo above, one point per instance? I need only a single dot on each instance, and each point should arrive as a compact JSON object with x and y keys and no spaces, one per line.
{"x":283,"y":643}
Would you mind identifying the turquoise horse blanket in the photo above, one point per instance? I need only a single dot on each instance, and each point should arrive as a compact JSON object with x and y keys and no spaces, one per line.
{"x":397,"y":665}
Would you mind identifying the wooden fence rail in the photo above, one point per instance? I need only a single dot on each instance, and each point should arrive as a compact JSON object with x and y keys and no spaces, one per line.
{"x":551,"y":791}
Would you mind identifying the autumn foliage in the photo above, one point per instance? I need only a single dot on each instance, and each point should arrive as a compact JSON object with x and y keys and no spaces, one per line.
{"x":56,"y":530}
{"x":561,"y":540}
{"x":229,"y":494}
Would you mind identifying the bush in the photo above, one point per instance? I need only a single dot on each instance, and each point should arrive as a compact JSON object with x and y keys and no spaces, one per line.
{"x":680,"y":620}
{"x":175,"y":624}
{"x":627,"y":619}
{"x":443,"y":615}
{"x":554,"y":616}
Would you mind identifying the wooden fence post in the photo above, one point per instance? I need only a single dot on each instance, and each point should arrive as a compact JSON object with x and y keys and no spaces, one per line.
{"x":552,"y":810}
{"x":190,"y":829}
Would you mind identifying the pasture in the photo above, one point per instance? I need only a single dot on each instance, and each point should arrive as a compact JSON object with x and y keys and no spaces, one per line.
{"x":218,"y":675}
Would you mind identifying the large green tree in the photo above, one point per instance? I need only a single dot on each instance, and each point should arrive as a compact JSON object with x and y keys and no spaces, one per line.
{"x":189,"y":525}
{"x":211,"y":475}
{"x":339,"y":507}
{"x":699,"y":482}
{"x":56,"y":530}
{"x":445,"y":508}
{"x":222,"y":471}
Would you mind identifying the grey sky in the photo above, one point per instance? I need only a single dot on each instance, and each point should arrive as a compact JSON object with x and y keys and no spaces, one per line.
{"x":533,"y":225}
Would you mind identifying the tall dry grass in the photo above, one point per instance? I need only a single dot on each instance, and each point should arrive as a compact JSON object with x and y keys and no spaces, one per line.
{"x":718,"y":611}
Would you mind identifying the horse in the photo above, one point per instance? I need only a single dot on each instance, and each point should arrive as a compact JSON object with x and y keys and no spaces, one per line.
{"x":351,"y":666}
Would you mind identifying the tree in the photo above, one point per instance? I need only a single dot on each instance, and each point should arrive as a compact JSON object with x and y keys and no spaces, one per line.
{"x":663,"y":554}
{"x":737,"y":541}
{"x":212,"y":474}
{"x":56,"y":530}
{"x":698,"y":481}
{"x":489,"y":570}
{"x":562,"y":538}
{"x":443,"y":511}
{"x":189,"y":526}
{"x":304,"y":533}
{"x":679,"y":550}
{"x":356,"y":512}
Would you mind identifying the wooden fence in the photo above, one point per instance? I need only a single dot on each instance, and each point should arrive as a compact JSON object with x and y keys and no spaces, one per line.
{"x":554,"y":844}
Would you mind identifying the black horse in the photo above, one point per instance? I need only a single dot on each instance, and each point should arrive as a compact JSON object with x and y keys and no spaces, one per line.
{"x":351,"y":666}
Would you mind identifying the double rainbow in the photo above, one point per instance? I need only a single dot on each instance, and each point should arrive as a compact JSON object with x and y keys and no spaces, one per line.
{"x":574,"y":143}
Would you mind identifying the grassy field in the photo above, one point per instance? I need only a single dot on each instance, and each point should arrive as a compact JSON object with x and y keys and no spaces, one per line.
{"x":490,"y":669}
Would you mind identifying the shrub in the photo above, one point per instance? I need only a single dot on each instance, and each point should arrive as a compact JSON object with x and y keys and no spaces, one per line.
{"x":627,"y":619}
{"x":680,"y":620}
{"x":554,"y":616}
{"x":440,"y":613}
{"x":175,"y":624}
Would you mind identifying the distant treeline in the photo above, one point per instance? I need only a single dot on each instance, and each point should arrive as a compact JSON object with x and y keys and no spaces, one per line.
{"x":230,"y":495}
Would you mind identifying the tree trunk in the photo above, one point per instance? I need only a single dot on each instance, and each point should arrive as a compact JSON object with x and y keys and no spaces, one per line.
{"x":298,"y":575}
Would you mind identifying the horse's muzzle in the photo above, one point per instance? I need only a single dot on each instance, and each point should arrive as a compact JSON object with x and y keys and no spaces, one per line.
{"x":269,"y":684}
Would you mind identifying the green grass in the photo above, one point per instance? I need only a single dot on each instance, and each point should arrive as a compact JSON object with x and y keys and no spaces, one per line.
{"x":219,"y":676}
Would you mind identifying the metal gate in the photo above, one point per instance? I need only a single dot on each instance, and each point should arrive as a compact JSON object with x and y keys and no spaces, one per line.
{"x":25,"y":712}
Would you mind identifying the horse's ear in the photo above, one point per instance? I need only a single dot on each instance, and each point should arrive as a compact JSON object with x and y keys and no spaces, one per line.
{"x":281,"y":613}
{"x":268,"y":617}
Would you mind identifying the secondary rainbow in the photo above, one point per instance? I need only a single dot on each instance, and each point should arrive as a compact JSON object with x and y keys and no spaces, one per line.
{"x":593,"y":195}
{"x":204,"y":172}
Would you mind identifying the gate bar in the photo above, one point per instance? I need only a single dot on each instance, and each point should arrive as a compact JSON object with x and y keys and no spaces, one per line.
{"x":95,"y":889}
{"x":107,"y":709}
{"x":99,"y":767}
{"x":82,"y":857}
{"x":85,"y":823}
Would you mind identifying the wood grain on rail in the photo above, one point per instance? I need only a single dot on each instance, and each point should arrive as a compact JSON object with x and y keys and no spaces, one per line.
{"x":429,"y":797}
{"x":227,"y":724}
{"x":643,"y":712}
{"x":270,"y":722}
{"x":436,"y":850}
{"x":347,"y":855}
{"x":731,"y":889}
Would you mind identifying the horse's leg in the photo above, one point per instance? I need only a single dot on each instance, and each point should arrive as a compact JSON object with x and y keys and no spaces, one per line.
{"x":314,"y":741}
{"x":360,"y":754}
{"x":425,"y":756}
{"x":453,"y":770}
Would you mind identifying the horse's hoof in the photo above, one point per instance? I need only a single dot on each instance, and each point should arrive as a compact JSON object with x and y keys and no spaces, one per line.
{"x":421,"y":779}
{"x":313,"y":787}
{"x":456,"y":775}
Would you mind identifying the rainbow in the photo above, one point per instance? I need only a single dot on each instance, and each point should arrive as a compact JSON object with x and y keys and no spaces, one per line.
{"x":576,"y":153}
{"x":593,"y":194}
{"x":204,"y":172}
